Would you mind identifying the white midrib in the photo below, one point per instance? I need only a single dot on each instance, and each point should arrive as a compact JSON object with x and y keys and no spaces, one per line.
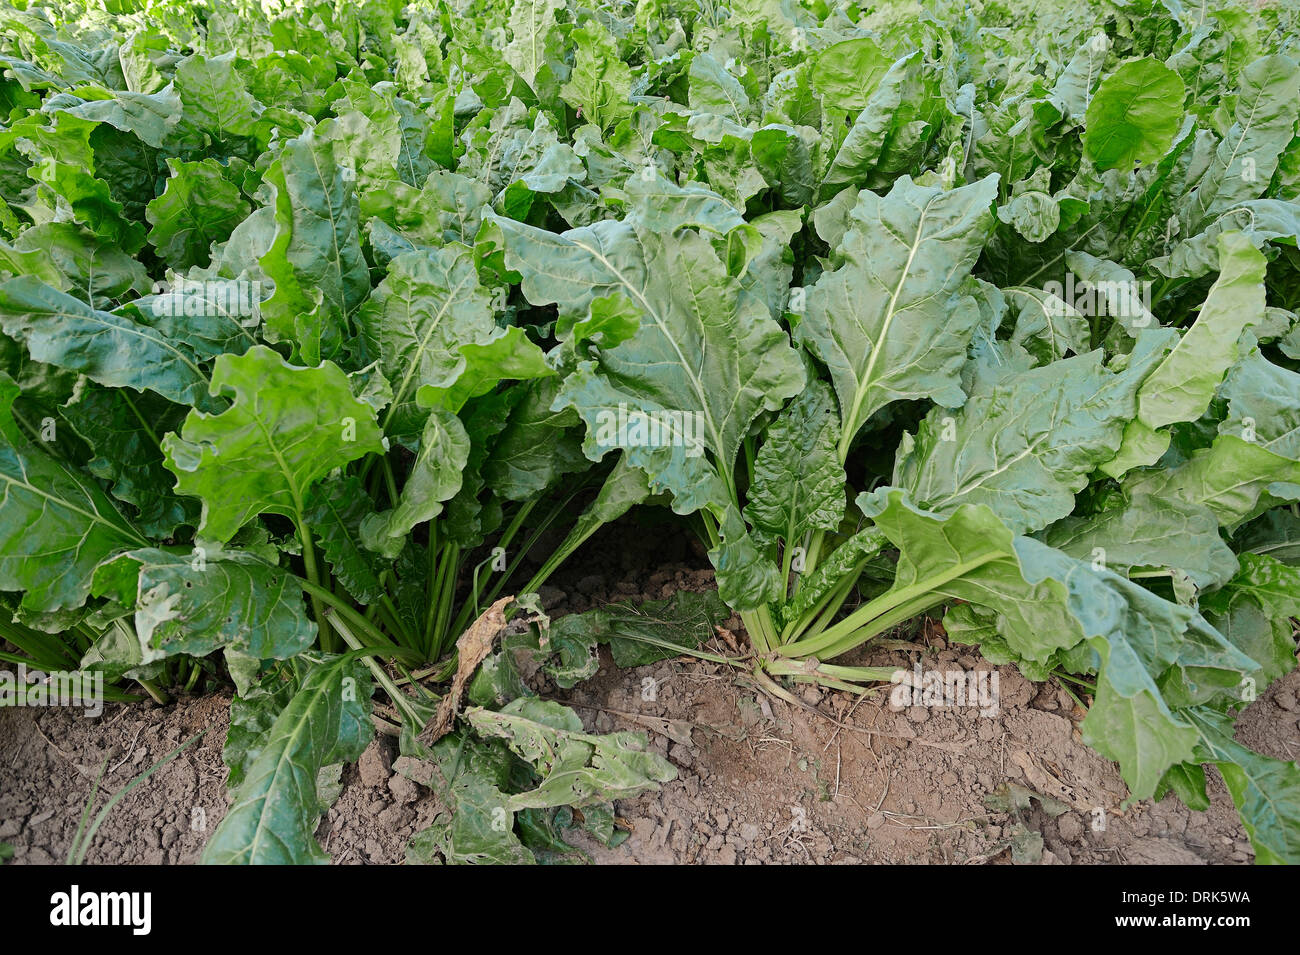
{"x":400,"y":395}
{"x":696,"y":384}
{"x":864,"y":384}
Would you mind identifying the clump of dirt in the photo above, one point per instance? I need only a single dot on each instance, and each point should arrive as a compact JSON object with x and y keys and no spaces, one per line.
{"x":52,"y":756}
{"x":761,"y":781}
{"x":836,"y":780}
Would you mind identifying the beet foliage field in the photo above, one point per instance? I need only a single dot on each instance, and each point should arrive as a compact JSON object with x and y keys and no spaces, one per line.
{"x":329,"y":331}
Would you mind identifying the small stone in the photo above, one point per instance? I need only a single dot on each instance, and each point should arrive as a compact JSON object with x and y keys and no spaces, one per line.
{"x":748,"y":832}
{"x":810,"y":695}
{"x":1070,"y":827}
{"x":918,"y":714}
{"x":404,"y":791}
{"x":727,"y":855}
{"x":722,"y":820}
{"x":549,"y":596}
{"x":875,"y":820}
{"x":375,"y":765}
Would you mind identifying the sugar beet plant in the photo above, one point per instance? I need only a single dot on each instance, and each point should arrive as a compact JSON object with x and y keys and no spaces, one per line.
{"x":324,"y":325}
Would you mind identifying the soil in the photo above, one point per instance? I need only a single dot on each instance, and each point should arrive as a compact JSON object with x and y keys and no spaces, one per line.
{"x":760,"y":781}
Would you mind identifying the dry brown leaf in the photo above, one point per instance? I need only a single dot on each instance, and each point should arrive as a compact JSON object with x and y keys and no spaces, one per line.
{"x":471,"y":649}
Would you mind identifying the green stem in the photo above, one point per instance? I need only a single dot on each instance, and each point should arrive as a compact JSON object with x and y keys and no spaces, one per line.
{"x":449,"y":572}
{"x":887,"y":610}
{"x":399,"y":698}
{"x":345,"y":612}
{"x":757,"y":628}
{"x":390,"y":482}
{"x":154,"y":691}
{"x":313,"y":575}
{"x":811,"y":669}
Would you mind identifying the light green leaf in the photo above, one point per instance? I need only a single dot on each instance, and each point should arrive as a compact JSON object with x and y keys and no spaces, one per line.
{"x":1182,"y":386}
{"x":1134,"y":115}
{"x":288,"y":426}
{"x":56,"y":525}
{"x":198,"y":207}
{"x":206,"y":599}
{"x":576,"y":768}
{"x":104,"y":346}
{"x":875,"y":320}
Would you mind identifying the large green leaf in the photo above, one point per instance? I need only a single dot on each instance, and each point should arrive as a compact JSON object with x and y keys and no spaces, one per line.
{"x":286,"y":428}
{"x":1247,"y":156}
{"x":1265,"y":791}
{"x":206,"y":599}
{"x":875,"y":321}
{"x":1134,"y":114}
{"x":198,"y":207}
{"x":315,"y":260}
{"x":106,"y":347}
{"x":417,"y":321}
{"x":276,"y":808}
{"x":1147,"y":534}
{"x":1182,"y":386}
{"x":56,"y":525}
{"x":1026,"y":442}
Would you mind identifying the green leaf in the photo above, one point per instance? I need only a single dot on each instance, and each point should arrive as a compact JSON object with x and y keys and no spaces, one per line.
{"x":509,"y":354}
{"x":600,"y":85}
{"x":798,"y":483}
{"x":335,"y":510}
{"x":576,"y":768}
{"x":1263,"y":406}
{"x":1026,"y":442}
{"x":1236,"y":479}
{"x":435,"y":478}
{"x":1134,"y":115}
{"x":1048,"y":603}
{"x":1149,"y":534}
{"x":104,"y":346}
{"x":416,"y":324}
{"x":56,"y":525}
{"x":207,"y":599}
{"x":198,"y":207}
{"x":123,"y":428}
{"x":1266,"y":110}
{"x":1255,"y":609}
{"x":1046,"y":326}
{"x":1265,"y":791}
{"x":875,"y":320}
{"x":315,"y":260}
{"x":287,"y":427}
{"x":714,"y":90}
{"x":705,"y":362}
{"x":846,"y":73}
{"x":1182,"y":386}
{"x":276,"y":808}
